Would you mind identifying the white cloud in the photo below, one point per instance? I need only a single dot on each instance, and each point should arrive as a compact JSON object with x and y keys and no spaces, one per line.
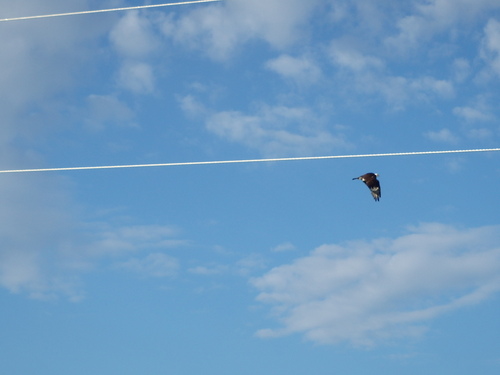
{"x":446,"y":11}
{"x":46,"y":251}
{"x":461,"y":69}
{"x":127,"y":239}
{"x":45,"y":246}
{"x":352,"y":59}
{"x":443,"y":135}
{"x":479,"y":110}
{"x":301,"y":69}
{"x":490,"y":50}
{"x":472,"y":114}
{"x":454,"y":164}
{"x":36,"y":233}
{"x":135,"y":40}
{"x":191,"y":106}
{"x":215,"y":269}
{"x":212,"y":28}
{"x":250,"y":264}
{"x":434,"y":17}
{"x":439,"y":87}
{"x":285,"y":246}
{"x":218,"y":29}
{"x":153,"y":265}
{"x":104,"y":110}
{"x":274,"y":131}
{"x":39,"y":228}
{"x":137,"y":77}
{"x":412,"y":30}
{"x":365,"y":292}
{"x":480,"y":133}
{"x":134,"y":37}
{"x":41,"y":59}
{"x":363,"y":73}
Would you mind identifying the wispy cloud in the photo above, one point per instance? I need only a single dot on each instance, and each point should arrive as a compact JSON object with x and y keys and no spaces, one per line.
{"x":219,"y":29}
{"x":128,"y":239}
{"x":136,"y":41}
{"x":443,"y":135}
{"x":364,"y":292}
{"x":136,"y":77}
{"x":277,"y":130}
{"x":300,"y":69}
{"x":371,"y":75}
{"x":490,"y":50}
{"x":212,"y":269}
{"x":282,"y":247}
{"x":153,"y":265}
{"x":40,"y":61}
{"x":134,"y":36}
{"x":473,"y":114}
{"x":48,"y":252}
{"x":105,"y":110}
{"x":479,"y":110}
{"x":429,"y":18}
{"x":38,"y":233}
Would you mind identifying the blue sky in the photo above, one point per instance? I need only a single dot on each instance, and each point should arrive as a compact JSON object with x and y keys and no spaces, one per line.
{"x":285,"y":267}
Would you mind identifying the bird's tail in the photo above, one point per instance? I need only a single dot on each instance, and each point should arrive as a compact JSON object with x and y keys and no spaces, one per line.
{"x":356,"y":178}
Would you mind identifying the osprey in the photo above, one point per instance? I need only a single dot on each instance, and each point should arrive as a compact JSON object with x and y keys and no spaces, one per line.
{"x":370,"y":179}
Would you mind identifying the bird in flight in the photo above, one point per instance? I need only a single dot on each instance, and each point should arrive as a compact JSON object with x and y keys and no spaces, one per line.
{"x":370,"y":179}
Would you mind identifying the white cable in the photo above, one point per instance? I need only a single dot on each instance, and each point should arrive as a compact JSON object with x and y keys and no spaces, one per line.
{"x":106,"y":10}
{"x":246,"y":161}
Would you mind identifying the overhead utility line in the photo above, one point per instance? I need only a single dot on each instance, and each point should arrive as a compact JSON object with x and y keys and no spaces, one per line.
{"x":106,"y":10}
{"x":247,"y":161}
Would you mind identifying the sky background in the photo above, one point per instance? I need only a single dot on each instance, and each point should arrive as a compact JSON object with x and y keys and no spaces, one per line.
{"x":287,"y":267}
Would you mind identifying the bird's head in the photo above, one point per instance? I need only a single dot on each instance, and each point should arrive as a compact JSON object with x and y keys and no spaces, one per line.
{"x":376,"y":174}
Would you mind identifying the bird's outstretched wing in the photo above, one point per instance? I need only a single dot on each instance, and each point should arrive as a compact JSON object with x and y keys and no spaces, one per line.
{"x":370,"y":179}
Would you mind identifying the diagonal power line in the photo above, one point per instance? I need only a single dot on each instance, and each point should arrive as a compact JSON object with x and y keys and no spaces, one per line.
{"x":106,"y":10}
{"x":247,"y":160}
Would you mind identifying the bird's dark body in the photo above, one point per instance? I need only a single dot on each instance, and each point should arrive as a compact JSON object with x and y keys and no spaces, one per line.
{"x":370,"y":179}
